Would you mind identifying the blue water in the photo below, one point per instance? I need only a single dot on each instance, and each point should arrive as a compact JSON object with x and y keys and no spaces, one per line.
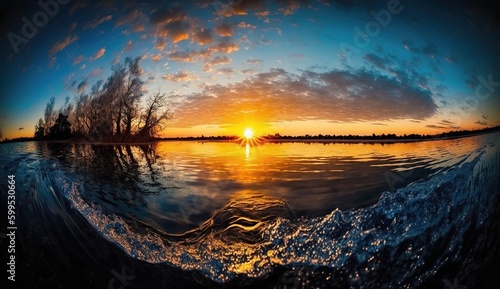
{"x":428,"y":219}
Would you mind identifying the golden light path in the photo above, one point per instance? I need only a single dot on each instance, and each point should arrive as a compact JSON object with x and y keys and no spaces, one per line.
{"x":248,"y":139}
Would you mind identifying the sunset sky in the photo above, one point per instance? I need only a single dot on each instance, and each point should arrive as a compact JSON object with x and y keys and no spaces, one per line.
{"x":285,"y":66}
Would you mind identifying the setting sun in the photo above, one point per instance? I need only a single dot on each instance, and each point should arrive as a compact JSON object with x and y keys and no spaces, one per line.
{"x":248,"y":133}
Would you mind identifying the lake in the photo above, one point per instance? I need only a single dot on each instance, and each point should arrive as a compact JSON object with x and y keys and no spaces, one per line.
{"x":218,"y":213}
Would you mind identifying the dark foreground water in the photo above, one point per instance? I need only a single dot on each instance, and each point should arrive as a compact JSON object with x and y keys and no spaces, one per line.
{"x":280,"y":215}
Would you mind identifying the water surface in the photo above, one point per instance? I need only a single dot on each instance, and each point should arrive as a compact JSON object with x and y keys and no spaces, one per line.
{"x":335,"y":214}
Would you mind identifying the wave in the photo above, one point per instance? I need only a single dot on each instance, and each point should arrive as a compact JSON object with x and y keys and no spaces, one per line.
{"x":405,"y":238}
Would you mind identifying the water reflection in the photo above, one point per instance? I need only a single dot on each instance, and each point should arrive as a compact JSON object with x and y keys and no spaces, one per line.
{"x":176,"y":186}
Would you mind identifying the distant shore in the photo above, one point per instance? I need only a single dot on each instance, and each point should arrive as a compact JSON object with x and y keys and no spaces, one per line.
{"x":281,"y":139}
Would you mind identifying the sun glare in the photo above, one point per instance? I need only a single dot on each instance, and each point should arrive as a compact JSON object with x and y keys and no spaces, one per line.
{"x":249,"y":137}
{"x":248,"y":133}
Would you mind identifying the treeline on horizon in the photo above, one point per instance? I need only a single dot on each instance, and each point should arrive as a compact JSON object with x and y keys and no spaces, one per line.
{"x":457,"y":133}
{"x":111,"y":112}
{"x":277,"y":136}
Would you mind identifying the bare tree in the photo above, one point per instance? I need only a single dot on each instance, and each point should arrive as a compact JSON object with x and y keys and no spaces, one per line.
{"x":40,"y":129}
{"x":132,"y":92}
{"x":79,"y":116}
{"x":100,"y":112}
{"x":154,"y":116}
{"x":67,"y":108}
{"x":49,"y":115}
{"x":114,"y":88}
{"x":124,"y":89}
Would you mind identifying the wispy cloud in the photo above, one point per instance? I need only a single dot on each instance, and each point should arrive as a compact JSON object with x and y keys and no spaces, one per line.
{"x":157,"y":57}
{"x":78,"y":59}
{"x":253,"y":61}
{"x":218,"y":60}
{"x":61,"y":44}
{"x":246,"y":25}
{"x":182,"y":75}
{"x":98,"y":54}
{"x":128,"y":18}
{"x":96,"y":22}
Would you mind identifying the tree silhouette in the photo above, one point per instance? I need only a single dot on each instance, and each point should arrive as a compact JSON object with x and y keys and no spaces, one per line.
{"x":61,"y":129}
{"x":154,"y":115}
{"x":110,"y":111}
{"x":39,"y":129}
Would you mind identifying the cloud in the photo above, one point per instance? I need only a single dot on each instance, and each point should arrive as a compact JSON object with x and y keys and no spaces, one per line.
{"x":138,"y":27}
{"x":241,"y":7}
{"x":253,"y":61}
{"x":203,"y":37}
{"x":446,"y":122}
{"x":182,"y":75}
{"x":21,"y":128}
{"x":226,"y":47}
{"x":192,"y":55}
{"x":378,"y":61}
{"x":98,"y":21}
{"x":176,"y":31}
{"x":224,"y":29}
{"x":246,"y":25}
{"x":248,"y":71}
{"x":443,"y":125}
{"x":340,"y":96}
{"x":61,"y":44}
{"x":225,"y":70}
{"x":78,"y":59}
{"x":429,"y":49}
{"x":78,"y":5}
{"x":95,"y":72}
{"x":128,"y":46}
{"x":265,"y":41}
{"x":289,"y":6}
{"x":218,"y":60}
{"x":72,"y":27}
{"x":82,"y":86}
{"x":160,"y":44}
{"x":481,"y":122}
{"x":98,"y":54}
{"x":262,"y":13}
{"x":157,"y":57}
{"x":164,"y":16}
{"x":129,"y":18}
{"x":188,"y":56}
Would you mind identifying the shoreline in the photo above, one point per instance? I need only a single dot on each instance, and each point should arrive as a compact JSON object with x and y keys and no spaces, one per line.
{"x":267,"y":140}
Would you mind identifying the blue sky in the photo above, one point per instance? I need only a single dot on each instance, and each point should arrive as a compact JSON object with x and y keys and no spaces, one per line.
{"x":284,"y":66}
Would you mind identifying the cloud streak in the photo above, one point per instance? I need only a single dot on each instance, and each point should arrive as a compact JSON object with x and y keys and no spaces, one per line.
{"x":98,"y":54}
{"x":62,"y":44}
{"x":337,"y":96}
